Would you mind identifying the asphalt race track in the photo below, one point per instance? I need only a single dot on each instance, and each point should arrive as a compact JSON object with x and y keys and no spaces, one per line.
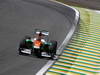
{"x":19,"y":18}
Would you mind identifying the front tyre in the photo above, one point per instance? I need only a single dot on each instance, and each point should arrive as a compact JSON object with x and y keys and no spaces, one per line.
{"x":53,"y":48}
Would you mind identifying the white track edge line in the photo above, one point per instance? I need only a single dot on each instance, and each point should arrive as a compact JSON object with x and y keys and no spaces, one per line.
{"x":60,"y":49}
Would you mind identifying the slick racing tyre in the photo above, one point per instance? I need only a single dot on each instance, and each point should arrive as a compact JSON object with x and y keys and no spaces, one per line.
{"x":21,"y":46}
{"x":25,"y":45}
{"x":53,"y":48}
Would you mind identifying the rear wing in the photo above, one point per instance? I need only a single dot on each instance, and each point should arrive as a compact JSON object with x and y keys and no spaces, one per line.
{"x":44,"y":32}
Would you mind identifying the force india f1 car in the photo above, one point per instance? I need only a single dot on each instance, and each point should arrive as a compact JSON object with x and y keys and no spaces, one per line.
{"x":38,"y":45}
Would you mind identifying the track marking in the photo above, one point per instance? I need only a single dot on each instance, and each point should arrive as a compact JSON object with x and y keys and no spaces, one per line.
{"x":44,"y":69}
{"x":67,"y":38}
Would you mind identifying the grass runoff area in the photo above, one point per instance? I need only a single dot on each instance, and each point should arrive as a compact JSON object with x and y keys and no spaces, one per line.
{"x":82,"y":55}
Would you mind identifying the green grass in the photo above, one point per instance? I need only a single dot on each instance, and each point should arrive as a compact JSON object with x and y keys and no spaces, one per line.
{"x":88,"y":35}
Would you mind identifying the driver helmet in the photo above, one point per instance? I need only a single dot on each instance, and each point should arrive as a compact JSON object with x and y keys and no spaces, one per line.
{"x":39,"y":35}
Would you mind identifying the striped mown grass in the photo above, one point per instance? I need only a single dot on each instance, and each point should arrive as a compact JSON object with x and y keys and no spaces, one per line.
{"x":82,"y":55}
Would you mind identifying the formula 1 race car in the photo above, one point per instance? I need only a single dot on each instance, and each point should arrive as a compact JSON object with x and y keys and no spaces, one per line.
{"x":38,"y":45}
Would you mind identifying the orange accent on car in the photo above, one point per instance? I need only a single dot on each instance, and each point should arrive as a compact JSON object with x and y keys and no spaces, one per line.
{"x":37,"y":43}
